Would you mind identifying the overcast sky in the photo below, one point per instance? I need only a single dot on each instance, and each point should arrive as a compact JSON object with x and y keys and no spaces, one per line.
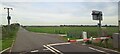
{"x":56,"y":13}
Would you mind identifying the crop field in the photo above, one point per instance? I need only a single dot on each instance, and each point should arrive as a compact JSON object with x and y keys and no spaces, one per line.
{"x":92,"y":31}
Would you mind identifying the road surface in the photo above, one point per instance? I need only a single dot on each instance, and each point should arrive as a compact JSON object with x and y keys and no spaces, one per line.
{"x":29,"y":42}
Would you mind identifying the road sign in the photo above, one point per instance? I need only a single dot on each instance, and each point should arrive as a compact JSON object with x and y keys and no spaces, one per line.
{"x":97,"y":15}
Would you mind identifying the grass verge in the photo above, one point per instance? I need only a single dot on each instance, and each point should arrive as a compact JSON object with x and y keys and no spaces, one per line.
{"x":8,"y":35}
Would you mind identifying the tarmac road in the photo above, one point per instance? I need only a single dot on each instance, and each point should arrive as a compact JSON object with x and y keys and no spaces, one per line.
{"x":27,"y":42}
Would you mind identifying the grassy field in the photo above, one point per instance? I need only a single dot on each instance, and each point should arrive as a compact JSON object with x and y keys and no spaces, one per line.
{"x":77,"y":31}
{"x":8,"y":35}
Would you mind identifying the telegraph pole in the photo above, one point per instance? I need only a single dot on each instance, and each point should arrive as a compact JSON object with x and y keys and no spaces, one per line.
{"x":8,"y":17}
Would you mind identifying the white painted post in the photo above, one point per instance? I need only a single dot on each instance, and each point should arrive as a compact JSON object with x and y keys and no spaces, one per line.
{"x":84,"y":34}
{"x":91,"y":38}
{"x":68,"y":39}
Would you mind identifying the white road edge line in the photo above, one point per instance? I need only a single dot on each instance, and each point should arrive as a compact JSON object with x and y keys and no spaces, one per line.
{"x":59,"y":44}
{"x":50,"y":49}
{"x":62,"y":35}
{"x":45,"y":49}
{"x":98,"y":50}
{"x":4,"y":50}
{"x":110,"y":50}
{"x":12,"y":46}
{"x":35,"y":51}
{"x":55,"y":49}
{"x":7,"y":48}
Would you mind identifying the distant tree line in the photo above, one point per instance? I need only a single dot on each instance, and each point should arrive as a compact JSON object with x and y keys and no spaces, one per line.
{"x":87,"y":26}
{"x":75,"y":26}
{"x":14,"y":24}
{"x":40,"y":26}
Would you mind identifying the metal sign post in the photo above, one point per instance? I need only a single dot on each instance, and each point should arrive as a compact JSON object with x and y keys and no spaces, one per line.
{"x":97,"y":15}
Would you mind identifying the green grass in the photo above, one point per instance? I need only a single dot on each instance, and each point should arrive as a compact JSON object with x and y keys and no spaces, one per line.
{"x":8,"y":36}
{"x":0,"y":45}
{"x":6,"y":43}
{"x":92,"y":31}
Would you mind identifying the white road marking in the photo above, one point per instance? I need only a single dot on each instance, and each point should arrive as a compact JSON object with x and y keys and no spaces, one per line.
{"x":45,"y":49}
{"x":63,"y":35}
{"x":55,"y":49}
{"x":12,"y":46}
{"x":35,"y":51}
{"x":98,"y":50}
{"x":5,"y":50}
{"x":50,"y":49}
{"x":110,"y":50}
{"x":59,"y":44}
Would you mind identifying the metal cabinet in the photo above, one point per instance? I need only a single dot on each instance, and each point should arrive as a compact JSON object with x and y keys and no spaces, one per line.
{"x":116,"y":40}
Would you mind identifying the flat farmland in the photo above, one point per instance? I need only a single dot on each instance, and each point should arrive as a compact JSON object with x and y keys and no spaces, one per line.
{"x":92,"y":31}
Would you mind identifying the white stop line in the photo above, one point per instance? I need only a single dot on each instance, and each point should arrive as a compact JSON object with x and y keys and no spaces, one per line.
{"x":49,"y":47}
{"x":52,"y":49}
{"x":59,"y":44}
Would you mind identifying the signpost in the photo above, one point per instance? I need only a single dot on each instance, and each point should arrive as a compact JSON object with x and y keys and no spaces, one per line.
{"x":97,"y":15}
